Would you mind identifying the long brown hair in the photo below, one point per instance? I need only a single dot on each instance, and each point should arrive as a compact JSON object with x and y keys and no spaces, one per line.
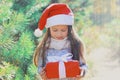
{"x":77,"y":46}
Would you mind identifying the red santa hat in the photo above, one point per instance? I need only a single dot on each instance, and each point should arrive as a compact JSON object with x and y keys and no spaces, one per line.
{"x":55,"y":14}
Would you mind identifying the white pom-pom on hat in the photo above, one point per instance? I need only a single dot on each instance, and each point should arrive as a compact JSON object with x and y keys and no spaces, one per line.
{"x":38,"y":32}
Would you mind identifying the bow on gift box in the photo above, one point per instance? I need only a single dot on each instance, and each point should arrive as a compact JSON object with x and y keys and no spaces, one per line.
{"x":61,"y":60}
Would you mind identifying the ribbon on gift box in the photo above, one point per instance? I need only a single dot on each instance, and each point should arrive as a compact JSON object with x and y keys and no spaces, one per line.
{"x":61,"y":60}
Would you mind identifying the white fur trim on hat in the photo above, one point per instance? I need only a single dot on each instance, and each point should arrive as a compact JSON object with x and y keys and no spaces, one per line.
{"x":38,"y":32}
{"x":61,"y":19}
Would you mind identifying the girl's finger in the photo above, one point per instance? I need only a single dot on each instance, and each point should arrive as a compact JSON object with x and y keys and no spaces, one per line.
{"x":43,"y":77}
{"x":78,"y":77}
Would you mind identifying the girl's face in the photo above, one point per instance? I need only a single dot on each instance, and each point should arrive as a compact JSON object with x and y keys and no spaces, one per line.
{"x":59,"y":32}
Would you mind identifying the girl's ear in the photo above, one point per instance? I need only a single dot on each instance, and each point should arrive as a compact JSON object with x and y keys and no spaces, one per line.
{"x":38,"y":32}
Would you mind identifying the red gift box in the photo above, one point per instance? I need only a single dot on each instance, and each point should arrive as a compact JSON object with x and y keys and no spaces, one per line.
{"x":71,"y":69}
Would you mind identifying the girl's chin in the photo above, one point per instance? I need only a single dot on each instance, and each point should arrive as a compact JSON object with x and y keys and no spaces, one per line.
{"x":59,"y":38}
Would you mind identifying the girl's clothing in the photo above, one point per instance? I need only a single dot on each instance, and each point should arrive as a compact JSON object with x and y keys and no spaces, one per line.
{"x":58,"y":48}
{"x":59,"y":44}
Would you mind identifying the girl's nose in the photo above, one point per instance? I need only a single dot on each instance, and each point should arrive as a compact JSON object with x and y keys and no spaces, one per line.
{"x":59,"y":33}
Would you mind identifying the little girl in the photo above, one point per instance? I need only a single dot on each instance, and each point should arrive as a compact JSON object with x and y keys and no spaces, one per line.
{"x":59,"y":39}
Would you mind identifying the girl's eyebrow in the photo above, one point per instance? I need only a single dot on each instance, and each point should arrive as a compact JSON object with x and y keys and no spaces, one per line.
{"x":53,"y":28}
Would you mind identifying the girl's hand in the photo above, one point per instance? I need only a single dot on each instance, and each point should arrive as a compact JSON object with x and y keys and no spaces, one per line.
{"x":43,"y":74}
{"x":82,"y":73}
{"x":78,"y":77}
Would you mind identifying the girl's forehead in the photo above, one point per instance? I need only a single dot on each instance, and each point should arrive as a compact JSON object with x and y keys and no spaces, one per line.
{"x":59,"y":27}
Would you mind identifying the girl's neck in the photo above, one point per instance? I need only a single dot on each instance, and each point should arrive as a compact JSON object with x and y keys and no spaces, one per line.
{"x":59,"y":40}
{"x":59,"y":44}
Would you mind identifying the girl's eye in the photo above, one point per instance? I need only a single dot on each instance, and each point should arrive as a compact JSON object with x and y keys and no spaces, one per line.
{"x":55,"y":30}
{"x":63,"y":30}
